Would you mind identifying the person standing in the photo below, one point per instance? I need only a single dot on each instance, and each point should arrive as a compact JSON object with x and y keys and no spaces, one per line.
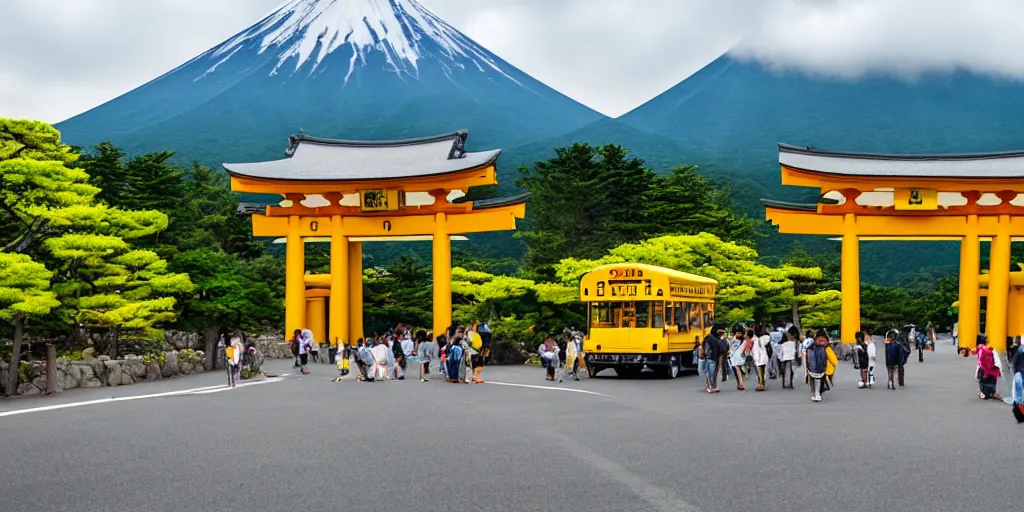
{"x":988,"y":371}
{"x":815,"y":364}
{"x":737,"y":358}
{"x":427,"y":352}
{"x":904,"y":347}
{"x":760,"y":353}
{"x":714,"y":349}
{"x":893,"y":358}
{"x":872,"y":357}
{"x":774,"y":365}
{"x":860,"y":359}
{"x":549,"y":357}
{"x":787,"y":354}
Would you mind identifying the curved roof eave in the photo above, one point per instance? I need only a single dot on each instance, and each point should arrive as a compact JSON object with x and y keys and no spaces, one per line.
{"x":999,"y":165}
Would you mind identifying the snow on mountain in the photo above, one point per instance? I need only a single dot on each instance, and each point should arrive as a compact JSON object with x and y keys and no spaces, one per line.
{"x":353,"y":69}
{"x":307,"y":31}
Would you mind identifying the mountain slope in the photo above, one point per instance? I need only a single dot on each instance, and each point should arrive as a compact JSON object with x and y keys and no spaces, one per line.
{"x":361,"y":69}
{"x":735,"y":112}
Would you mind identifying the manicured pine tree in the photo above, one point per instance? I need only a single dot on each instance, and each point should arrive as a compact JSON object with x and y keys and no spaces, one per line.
{"x":24,"y":293}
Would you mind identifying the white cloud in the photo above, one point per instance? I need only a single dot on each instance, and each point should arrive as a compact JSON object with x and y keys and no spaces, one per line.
{"x":901,"y":37}
{"x":609,"y":54}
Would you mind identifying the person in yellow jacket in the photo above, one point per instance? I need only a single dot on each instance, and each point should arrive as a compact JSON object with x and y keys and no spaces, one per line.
{"x":830,"y":367}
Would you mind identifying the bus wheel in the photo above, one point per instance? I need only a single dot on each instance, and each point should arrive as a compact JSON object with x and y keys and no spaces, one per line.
{"x":592,"y":370}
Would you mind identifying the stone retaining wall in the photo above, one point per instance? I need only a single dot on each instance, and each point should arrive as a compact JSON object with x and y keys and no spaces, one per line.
{"x":99,"y":373}
{"x":273,"y":346}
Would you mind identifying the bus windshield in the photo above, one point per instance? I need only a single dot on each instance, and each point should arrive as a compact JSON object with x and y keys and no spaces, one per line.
{"x":643,"y":314}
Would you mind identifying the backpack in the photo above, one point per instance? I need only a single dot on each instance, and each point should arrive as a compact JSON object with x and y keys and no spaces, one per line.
{"x":295,"y":347}
{"x":396,"y":348}
{"x":985,"y":357}
{"x":455,"y":352}
{"x":817,"y":360}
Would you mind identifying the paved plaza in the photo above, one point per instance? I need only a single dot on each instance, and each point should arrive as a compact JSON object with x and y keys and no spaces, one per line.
{"x":514,"y":444}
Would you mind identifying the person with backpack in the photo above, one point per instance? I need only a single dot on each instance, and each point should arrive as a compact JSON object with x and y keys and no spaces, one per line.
{"x":988,"y":371}
{"x":455,"y":362}
{"x":860,"y":359}
{"x":816,"y":363}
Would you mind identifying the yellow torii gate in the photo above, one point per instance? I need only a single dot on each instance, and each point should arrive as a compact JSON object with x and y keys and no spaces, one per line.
{"x":355,"y":191}
{"x":912,"y":197}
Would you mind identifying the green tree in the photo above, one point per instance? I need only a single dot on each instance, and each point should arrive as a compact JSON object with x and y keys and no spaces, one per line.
{"x":584,"y":201}
{"x":224,"y":297}
{"x":101,"y":280}
{"x":24,"y":292}
{"x":396,"y":294}
{"x":106,"y":172}
{"x":110,"y":286}
{"x":683,"y":202}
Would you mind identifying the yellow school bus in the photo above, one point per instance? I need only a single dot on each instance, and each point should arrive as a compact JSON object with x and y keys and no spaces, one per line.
{"x":643,"y":315}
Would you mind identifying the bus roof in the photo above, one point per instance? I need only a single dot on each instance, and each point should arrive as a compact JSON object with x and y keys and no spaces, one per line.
{"x":653,"y":269}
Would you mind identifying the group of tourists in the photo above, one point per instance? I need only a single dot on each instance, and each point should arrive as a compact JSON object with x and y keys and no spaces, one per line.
{"x":770,"y":354}
{"x":387,"y":357}
{"x":565,"y":356}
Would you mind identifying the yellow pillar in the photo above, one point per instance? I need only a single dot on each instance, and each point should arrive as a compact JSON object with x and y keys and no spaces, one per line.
{"x":294,"y":283}
{"x":442,"y":269}
{"x":315,"y":318}
{"x":998,"y":286}
{"x":969,"y":316}
{"x":850,"y":280}
{"x":339,"y":330}
{"x":1015,"y":316}
{"x":355,"y":290}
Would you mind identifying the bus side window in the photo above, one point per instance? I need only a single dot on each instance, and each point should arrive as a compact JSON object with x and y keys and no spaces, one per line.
{"x":681,"y":314}
{"x":643,"y":311}
{"x":709,"y":315}
{"x":695,"y":314}
{"x":658,"y":314}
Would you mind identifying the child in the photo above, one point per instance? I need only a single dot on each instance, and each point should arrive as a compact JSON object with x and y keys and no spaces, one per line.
{"x":787,"y":354}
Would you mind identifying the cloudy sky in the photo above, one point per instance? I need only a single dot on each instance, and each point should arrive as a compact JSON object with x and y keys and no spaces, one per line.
{"x":609,"y":54}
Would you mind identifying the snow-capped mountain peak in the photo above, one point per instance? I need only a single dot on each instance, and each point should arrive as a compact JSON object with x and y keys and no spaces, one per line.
{"x":305,"y":32}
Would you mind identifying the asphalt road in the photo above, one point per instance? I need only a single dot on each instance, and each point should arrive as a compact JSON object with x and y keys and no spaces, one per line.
{"x":304,"y":443}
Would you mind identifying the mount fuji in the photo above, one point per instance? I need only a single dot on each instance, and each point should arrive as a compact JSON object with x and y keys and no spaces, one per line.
{"x":356,"y":69}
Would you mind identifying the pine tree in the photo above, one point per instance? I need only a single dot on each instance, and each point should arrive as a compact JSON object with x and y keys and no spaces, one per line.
{"x":683,"y":202}
{"x":24,"y":292}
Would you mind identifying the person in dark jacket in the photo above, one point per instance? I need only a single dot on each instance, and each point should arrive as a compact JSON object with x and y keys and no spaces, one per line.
{"x":894,"y":358}
{"x":904,"y":343}
{"x":714,"y":350}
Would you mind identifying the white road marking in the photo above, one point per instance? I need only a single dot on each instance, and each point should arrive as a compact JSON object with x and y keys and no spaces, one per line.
{"x":193,"y":391}
{"x":548,"y":388}
{"x":240,"y":385}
